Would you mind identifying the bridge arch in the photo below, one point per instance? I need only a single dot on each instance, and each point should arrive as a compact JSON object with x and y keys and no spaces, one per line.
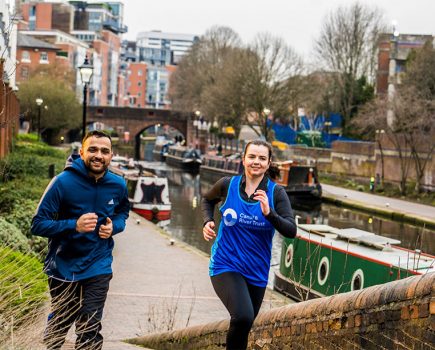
{"x":135,"y":120}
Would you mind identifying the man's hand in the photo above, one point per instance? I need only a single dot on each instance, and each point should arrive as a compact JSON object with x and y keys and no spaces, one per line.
{"x":86,"y":223}
{"x":106,"y":230}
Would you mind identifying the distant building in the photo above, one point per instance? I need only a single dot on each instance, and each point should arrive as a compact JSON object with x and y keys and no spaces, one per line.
{"x":98,"y":16}
{"x":136,"y":85}
{"x":32,"y":53}
{"x":161,"y":52}
{"x":161,"y":49}
{"x":48,"y":15}
{"x":70,"y":52}
{"x":393,"y":53}
{"x":8,"y":44}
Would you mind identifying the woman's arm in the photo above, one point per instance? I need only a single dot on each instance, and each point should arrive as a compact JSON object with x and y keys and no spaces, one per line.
{"x":282,"y":217}
{"x":212,"y":197}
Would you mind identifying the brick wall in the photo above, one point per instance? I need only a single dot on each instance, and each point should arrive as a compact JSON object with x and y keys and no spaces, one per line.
{"x":396,"y":315}
{"x":9,"y":116}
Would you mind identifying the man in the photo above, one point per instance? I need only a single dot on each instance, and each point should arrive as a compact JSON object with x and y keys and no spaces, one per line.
{"x":80,"y":211}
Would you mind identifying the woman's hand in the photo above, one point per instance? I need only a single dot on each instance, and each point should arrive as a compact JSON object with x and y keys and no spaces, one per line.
{"x":208,"y":231}
{"x":261,"y":196}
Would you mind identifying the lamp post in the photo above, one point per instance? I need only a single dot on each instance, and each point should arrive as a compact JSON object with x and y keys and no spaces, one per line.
{"x":328,"y":128}
{"x":266,"y":112}
{"x":196,"y":124}
{"x":392,"y":74}
{"x":86,"y":70}
{"x":39,"y":101}
{"x":379,"y":136}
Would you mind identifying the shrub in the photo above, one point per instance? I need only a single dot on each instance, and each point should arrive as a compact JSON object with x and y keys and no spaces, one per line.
{"x":13,"y":237}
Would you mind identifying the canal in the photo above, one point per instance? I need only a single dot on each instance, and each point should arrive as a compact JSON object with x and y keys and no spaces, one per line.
{"x":185,"y":192}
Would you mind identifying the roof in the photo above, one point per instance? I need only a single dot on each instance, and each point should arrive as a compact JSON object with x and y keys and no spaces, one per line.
{"x":29,"y":41}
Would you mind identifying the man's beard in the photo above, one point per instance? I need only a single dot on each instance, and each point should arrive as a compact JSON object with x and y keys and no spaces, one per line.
{"x":98,"y":170}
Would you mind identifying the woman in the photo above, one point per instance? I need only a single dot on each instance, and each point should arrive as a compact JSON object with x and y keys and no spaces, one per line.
{"x":253,"y":208}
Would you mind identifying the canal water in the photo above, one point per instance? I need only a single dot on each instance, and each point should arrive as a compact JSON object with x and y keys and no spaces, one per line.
{"x":185,"y":191}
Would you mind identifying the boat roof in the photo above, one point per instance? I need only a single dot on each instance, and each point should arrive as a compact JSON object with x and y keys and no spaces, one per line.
{"x":369,"y":246}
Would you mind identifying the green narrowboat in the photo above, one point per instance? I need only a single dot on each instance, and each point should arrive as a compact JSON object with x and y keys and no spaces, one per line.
{"x":323,"y":260}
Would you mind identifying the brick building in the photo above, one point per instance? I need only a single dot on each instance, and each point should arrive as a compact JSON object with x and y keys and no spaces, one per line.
{"x":393,"y":52}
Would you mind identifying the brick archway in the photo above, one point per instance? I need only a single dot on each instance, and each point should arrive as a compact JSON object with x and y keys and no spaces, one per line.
{"x":135,"y":120}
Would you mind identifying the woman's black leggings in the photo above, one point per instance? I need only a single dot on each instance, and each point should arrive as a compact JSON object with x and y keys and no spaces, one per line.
{"x":243,"y":301}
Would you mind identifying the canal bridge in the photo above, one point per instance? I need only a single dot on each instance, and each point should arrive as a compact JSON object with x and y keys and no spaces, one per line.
{"x":133,"y":121}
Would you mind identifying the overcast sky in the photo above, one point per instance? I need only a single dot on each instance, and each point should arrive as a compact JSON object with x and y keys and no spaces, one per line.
{"x":296,"y":21}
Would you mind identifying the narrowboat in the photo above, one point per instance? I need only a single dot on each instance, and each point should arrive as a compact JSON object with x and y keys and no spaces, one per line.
{"x":148,"y":194}
{"x":214,"y":167}
{"x":188,"y":159}
{"x":323,"y":260}
{"x":150,"y":197}
{"x":301,"y":183}
{"x":160,"y":151}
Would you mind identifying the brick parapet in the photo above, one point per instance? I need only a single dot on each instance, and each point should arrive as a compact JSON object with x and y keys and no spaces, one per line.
{"x":396,"y":315}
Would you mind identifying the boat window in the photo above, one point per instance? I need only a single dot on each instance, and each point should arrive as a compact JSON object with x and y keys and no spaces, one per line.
{"x":131,"y":187}
{"x":323,"y":271}
{"x":357,"y":282}
{"x":289,"y":256}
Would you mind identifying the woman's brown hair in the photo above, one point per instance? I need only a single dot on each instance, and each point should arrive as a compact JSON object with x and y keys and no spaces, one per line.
{"x":273,"y":171}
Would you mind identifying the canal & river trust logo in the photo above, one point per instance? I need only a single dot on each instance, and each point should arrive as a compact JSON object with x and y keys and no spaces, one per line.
{"x":230,"y":217}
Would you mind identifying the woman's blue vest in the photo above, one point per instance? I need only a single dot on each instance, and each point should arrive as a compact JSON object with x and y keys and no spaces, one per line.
{"x":244,"y":240}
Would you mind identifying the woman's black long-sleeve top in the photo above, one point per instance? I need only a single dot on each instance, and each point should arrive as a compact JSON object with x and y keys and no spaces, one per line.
{"x":281,"y":217}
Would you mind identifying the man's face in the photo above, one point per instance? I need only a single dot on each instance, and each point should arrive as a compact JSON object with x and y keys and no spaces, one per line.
{"x":96,"y":152}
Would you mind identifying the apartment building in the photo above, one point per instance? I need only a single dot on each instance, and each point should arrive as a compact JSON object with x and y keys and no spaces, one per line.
{"x":80,"y":29}
{"x":161,"y":52}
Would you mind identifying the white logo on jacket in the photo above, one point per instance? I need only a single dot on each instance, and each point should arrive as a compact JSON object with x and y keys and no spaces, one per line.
{"x":111,"y":202}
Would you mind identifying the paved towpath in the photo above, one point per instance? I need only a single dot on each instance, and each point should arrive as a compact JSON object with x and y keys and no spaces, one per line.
{"x":397,"y":207}
{"x":157,"y":285}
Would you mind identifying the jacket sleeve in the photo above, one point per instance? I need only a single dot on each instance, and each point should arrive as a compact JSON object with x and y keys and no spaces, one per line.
{"x":282,"y":217}
{"x":212,"y":197}
{"x":45,"y":222}
{"x":121,"y":213}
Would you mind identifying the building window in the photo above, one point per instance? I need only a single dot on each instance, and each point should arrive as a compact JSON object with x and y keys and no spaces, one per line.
{"x":24,"y":72}
{"x":25,"y":56}
{"x":139,"y":72}
{"x":139,"y":83}
{"x":43,"y":58}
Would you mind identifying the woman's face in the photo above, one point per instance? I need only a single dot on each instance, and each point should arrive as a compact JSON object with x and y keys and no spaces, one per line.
{"x":256,"y":160}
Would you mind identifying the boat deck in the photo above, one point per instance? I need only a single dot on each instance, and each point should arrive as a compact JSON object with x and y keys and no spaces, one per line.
{"x":369,"y":246}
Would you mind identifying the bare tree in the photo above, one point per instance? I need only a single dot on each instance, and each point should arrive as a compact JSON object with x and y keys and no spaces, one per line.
{"x":200,"y":68}
{"x":269,"y":82}
{"x":419,"y":106}
{"x":347,"y":46}
{"x":228,"y":82}
{"x":415,"y":119}
{"x":411,"y":133}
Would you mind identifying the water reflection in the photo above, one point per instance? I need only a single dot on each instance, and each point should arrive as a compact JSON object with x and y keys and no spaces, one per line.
{"x":186,"y":221}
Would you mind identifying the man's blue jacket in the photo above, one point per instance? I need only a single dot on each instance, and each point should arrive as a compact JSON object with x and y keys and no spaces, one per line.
{"x":72,"y":255}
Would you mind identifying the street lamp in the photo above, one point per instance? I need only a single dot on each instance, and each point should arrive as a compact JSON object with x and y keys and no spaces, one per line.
{"x":86,"y":70}
{"x":266,"y":112}
{"x":379,"y":136}
{"x":39,"y":101}
{"x":196,"y":123}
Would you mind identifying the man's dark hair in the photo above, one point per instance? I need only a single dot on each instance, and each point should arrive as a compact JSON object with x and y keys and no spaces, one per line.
{"x":96,"y":133}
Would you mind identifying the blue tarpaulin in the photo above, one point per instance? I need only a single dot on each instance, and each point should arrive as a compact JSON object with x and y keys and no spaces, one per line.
{"x":287,"y":134}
